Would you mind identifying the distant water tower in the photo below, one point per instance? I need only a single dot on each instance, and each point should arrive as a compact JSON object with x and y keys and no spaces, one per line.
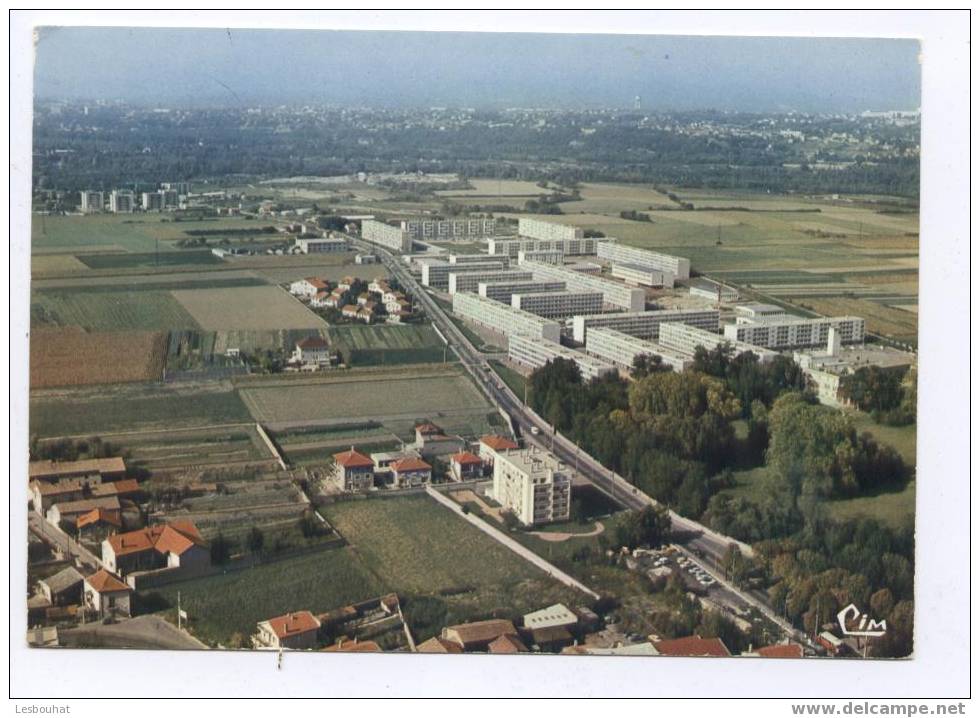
{"x":636,"y":102}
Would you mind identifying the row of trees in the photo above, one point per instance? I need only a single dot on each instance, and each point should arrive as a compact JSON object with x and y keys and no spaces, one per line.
{"x":889,"y":395}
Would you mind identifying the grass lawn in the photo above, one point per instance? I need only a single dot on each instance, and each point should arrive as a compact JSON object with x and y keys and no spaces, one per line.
{"x":895,"y":508}
{"x":110,"y":310}
{"x":220,"y":606}
{"x":511,"y":378}
{"x":380,"y":345}
{"x":902,"y":438}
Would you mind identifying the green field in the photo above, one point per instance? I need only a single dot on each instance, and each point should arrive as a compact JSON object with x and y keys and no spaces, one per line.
{"x":147,"y":259}
{"x":513,"y":379}
{"x":110,"y":310}
{"x":389,"y":344}
{"x":220,"y":606}
{"x":132,"y":408}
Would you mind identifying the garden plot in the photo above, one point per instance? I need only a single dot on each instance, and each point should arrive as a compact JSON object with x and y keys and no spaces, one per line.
{"x":246,"y":308}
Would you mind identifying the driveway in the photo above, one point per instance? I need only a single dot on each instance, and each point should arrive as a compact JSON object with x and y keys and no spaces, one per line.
{"x":139,"y":632}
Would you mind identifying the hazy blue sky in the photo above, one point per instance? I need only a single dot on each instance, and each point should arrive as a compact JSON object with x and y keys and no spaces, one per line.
{"x":236,"y":67}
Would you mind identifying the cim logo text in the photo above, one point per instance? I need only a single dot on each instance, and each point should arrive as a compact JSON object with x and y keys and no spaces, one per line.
{"x":865,"y":626}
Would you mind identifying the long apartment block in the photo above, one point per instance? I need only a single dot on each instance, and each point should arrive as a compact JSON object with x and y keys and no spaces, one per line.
{"x":558,"y":305}
{"x":504,"y":318}
{"x":796,"y":331}
{"x":469,"y":281}
{"x":535,"y":354}
{"x":436,"y":229}
{"x":642,"y":276}
{"x":680,"y":267}
{"x":548,"y":256}
{"x":474,"y":259}
{"x":645,"y":325}
{"x":435,"y":274}
{"x":622,"y":349}
{"x":513,"y":246}
{"x":686,"y":339}
{"x":613,"y":293}
{"x":394,"y":238}
{"x":503,"y":291}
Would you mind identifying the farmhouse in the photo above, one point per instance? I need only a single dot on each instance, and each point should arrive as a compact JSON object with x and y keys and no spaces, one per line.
{"x":312,"y":350}
{"x":100,"y":521}
{"x":353,"y":471}
{"x":308,"y":287}
{"x":409,"y":472}
{"x":70,"y":511}
{"x":294,"y":631}
{"x":465,"y":465}
{"x":177,"y":545}
{"x":109,"y":469}
{"x":106,"y":594}
{"x":63,"y":588}
{"x":479,"y":635}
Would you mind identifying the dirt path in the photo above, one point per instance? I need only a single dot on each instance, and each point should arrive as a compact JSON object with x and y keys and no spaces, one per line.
{"x":468,"y":495}
{"x":556,"y":536}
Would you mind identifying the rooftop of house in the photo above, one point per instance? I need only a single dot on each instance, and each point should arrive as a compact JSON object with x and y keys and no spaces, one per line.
{"x":427,"y":428}
{"x":312,"y":343}
{"x":174,"y":537}
{"x":780,"y":650}
{"x":100,"y":515}
{"x":692,"y":646}
{"x":465,"y":457}
{"x":439,"y":645}
{"x":354,"y":646}
{"x":83,"y":506}
{"x":317,"y":282}
{"x":104,"y":582}
{"x":293,"y":624}
{"x":353,"y":460}
{"x":64,"y":579}
{"x":410,"y":463}
{"x":497,"y":443}
{"x":481,"y":631}
{"x":507,"y":643}
{"x":52,"y":469}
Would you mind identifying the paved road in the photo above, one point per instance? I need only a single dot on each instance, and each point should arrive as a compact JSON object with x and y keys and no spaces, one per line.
{"x":56,"y":537}
{"x":139,"y":632}
{"x":709,"y":546}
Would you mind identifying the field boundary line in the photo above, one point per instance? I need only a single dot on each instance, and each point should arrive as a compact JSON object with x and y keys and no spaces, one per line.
{"x":513,"y":545}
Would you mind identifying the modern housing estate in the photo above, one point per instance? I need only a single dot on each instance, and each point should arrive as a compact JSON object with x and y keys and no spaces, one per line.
{"x":622,"y":349}
{"x":686,"y":339}
{"x":395,"y":238}
{"x":618,"y":295}
{"x":535,"y":353}
{"x":558,"y":305}
{"x":503,"y":291}
{"x":513,"y":246}
{"x":436,"y":274}
{"x":641,"y":275}
{"x":468,"y":280}
{"x":645,"y":325}
{"x":322,"y":245}
{"x":503,"y":318}
{"x":790,"y":332}
{"x":447,"y":229}
{"x":680,"y":267}
{"x":532,"y":484}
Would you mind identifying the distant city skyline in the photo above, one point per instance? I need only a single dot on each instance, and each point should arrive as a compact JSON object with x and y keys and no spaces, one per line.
{"x":240,"y":68}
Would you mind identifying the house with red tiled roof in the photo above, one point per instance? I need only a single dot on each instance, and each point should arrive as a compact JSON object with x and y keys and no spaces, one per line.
{"x":410,"y":471}
{"x":491,"y":444}
{"x":507,"y":644}
{"x":346,"y":645}
{"x":692,"y":646}
{"x":438,"y":645}
{"x":312,"y":350}
{"x":479,"y":635}
{"x":68,"y":512}
{"x":99,"y":519}
{"x":176,"y":545}
{"x":353,"y":471}
{"x":109,"y":469}
{"x":778,"y":650}
{"x":106,"y":594}
{"x":309,"y":287}
{"x":465,"y":465}
{"x":298,"y":630}
{"x":350,"y":311}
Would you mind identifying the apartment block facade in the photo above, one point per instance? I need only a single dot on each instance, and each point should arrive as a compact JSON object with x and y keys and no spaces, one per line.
{"x":645,"y":325}
{"x":532,"y":484}
{"x":535,"y":353}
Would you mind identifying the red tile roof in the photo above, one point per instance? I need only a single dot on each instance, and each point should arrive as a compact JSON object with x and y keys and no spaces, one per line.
{"x":428,"y":428}
{"x":354,"y":647}
{"x":104,"y":582}
{"x":498,"y":443}
{"x":692,"y":646}
{"x":507,"y":644}
{"x":781,"y":650}
{"x":312,"y":343}
{"x":410,"y":463}
{"x":481,"y":631}
{"x":175,"y":537}
{"x":100,"y":515}
{"x":465,"y":457}
{"x":116,"y":488}
{"x":439,"y":645}
{"x":293,"y":623}
{"x":52,"y":469}
{"x":353,"y":460}
{"x":317,"y":282}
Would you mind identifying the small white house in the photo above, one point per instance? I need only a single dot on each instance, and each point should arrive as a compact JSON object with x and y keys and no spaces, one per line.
{"x":309,"y":287}
{"x":312,"y":350}
{"x":106,"y":594}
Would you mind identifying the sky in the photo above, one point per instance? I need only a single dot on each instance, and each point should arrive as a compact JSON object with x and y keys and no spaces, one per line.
{"x":212,"y":67}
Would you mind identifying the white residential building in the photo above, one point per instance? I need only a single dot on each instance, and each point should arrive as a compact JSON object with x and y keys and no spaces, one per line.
{"x":309,"y":287}
{"x":622,"y":349}
{"x":686,"y":339}
{"x":613,"y":293}
{"x":543,"y":229}
{"x":548,"y":256}
{"x":503,"y":318}
{"x":558,"y":305}
{"x":476,"y":258}
{"x":641,"y":275}
{"x":171,"y":199}
{"x":796,"y":331}
{"x":435,"y":274}
{"x":92,"y":201}
{"x":535,"y":353}
{"x":513,"y":246}
{"x":394,"y":238}
{"x":532,"y":484}
{"x":503,"y":291}
{"x":715,"y":291}
{"x":680,"y":267}
{"x":469,"y":281}
{"x":152,"y":201}
{"x":121,"y":201}
{"x":645,"y":325}
{"x":448,"y":229}
{"x":750,"y":313}
{"x":322,"y":245}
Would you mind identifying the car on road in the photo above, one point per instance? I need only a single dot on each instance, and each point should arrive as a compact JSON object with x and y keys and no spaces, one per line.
{"x":535,"y":430}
